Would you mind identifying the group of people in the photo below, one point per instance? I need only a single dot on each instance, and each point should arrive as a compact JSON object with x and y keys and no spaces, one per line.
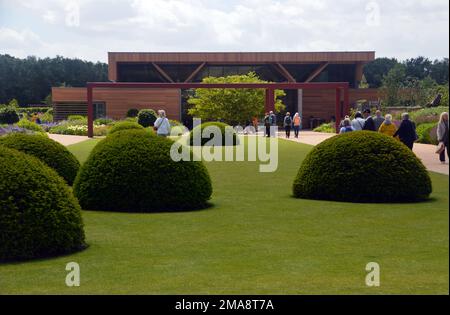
{"x":406,"y":132}
{"x":289,"y":123}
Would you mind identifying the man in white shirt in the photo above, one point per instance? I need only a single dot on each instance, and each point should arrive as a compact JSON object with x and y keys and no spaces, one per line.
{"x":358,"y":122}
{"x":162,"y":124}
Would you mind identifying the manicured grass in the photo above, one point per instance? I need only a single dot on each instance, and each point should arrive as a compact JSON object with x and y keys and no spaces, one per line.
{"x":256,"y":239}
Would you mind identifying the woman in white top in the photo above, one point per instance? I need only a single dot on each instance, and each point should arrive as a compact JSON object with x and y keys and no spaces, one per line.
{"x":358,"y":122}
{"x":162,"y":124}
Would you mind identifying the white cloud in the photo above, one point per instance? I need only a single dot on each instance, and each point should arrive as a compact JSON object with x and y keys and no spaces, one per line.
{"x":404,"y":29}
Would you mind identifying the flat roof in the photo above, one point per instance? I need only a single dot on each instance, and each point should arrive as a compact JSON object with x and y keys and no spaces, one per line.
{"x":243,"y":57}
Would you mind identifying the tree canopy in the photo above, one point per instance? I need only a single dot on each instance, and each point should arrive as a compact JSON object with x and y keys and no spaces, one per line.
{"x":30,"y":80}
{"x":232,"y":106}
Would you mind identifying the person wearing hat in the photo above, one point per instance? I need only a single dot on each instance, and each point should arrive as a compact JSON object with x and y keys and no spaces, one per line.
{"x":369,"y":124}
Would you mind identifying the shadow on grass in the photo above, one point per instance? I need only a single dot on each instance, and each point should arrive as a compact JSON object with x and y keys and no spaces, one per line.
{"x":381,"y":203}
{"x":204,"y":207}
{"x":44,"y":257}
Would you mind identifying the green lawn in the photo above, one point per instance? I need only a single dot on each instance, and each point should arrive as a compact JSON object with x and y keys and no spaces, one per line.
{"x":256,"y":239}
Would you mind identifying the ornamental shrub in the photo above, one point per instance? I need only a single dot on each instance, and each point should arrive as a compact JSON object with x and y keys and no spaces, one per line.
{"x":132,"y":112}
{"x":123,"y":125}
{"x":39,"y":216}
{"x":132,"y":171}
{"x":427,"y":133}
{"x":47,"y":150}
{"x":146,"y":117}
{"x":225,"y":132}
{"x":362,"y":166}
{"x":8,"y":115}
{"x":29,"y":125}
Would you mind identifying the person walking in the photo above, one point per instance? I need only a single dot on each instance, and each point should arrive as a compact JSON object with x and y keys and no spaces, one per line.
{"x":347,"y":126}
{"x":297,"y":122}
{"x":442,"y":136}
{"x":387,"y":127}
{"x":407,"y":131}
{"x":273,"y":121}
{"x":267,"y":124}
{"x":162,"y":124}
{"x":358,"y":122}
{"x":287,"y":124}
{"x":369,"y":124}
{"x":378,"y":120}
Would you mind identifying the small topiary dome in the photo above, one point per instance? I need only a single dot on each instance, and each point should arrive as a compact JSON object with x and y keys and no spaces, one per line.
{"x":48,"y":151}
{"x":146,"y":117}
{"x":226,"y":132}
{"x":132,"y":171}
{"x":39,"y":216}
{"x":124,"y":125}
{"x":362,"y":166}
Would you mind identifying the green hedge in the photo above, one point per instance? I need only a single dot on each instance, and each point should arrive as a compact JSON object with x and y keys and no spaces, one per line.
{"x":8,"y":115}
{"x":362,"y":166}
{"x":328,"y":128}
{"x":146,"y":117}
{"x":50,"y":152}
{"x":39,"y":215}
{"x":132,"y":171}
{"x":132,"y":112}
{"x":427,"y":133}
{"x":124,"y":125}
{"x":29,"y":125}
{"x":198,"y":132}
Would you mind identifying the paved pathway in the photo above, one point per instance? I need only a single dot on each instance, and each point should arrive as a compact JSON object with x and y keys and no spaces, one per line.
{"x":67,"y":139}
{"x":425,"y":152}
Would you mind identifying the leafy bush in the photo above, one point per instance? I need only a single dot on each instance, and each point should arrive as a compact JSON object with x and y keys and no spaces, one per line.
{"x":427,"y":133}
{"x":123,"y":125}
{"x":104,"y":121}
{"x":39,"y":215}
{"x":31,"y":110}
{"x":47,"y":117}
{"x":26,"y":124}
{"x":75,"y":129}
{"x":226,"y":132}
{"x":328,"y":128}
{"x":362,"y":166}
{"x":8,"y":115}
{"x":131,"y":170}
{"x":428,"y":115}
{"x":77,"y":118}
{"x":146,"y":117}
{"x":132,"y":112}
{"x":48,"y":151}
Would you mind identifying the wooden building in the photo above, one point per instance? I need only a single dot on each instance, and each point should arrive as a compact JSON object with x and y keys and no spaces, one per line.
{"x":193,"y":67}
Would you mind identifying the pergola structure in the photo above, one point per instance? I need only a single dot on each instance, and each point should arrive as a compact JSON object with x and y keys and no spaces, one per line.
{"x":341,"y":88}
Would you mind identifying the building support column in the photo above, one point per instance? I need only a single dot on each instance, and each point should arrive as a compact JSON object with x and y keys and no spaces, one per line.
{"x":346,"y":101}
{"x":338,"y":109}
{"x":270,"y":100}
{"x":90,"y":111}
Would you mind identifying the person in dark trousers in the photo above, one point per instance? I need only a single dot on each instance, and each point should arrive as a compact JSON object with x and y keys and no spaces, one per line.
{"x":287,"y":124}
{"x":273,"y":121}
{"x":267,"y":124}
{"x":369,"y":124}
{"x":407,"y":131}
{"x":297,"y":121}
{"x":442,"y":136}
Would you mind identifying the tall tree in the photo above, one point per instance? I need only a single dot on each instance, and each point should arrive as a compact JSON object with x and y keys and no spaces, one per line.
{"x":233,"y":106}
{"x":30,"y":79}
{"x":375,"y":71}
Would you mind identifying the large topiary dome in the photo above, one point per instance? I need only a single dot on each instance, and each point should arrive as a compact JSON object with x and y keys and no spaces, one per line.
{"x":124,"y":125}
{"x":362,"y":166}
{"x":48,"y":151}
{"x":39,"y":215}
{"x":132,"y":171}
{"x":226,"y":132}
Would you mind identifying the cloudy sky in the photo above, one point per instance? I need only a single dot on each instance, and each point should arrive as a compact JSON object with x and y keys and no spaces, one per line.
{"x":88,"y":29}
